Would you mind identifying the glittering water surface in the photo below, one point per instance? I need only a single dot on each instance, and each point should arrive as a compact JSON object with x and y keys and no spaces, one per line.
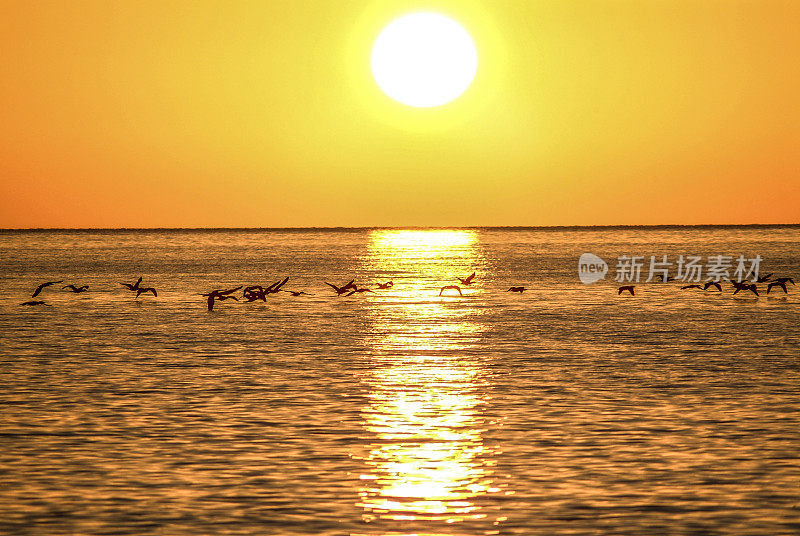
{"x":565,"y":410}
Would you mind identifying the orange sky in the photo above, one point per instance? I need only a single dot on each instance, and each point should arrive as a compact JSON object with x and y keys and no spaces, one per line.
{"x":265,"y":114}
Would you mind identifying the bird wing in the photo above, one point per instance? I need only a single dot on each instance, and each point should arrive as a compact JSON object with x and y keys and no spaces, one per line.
{"x":38,"y":290}
{"x":280,"y":284}
{"x":334,"y":287}
{"x":470,"y":278}
{"x":231,"y":291}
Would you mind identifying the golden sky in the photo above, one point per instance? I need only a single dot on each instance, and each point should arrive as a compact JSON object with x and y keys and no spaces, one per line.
{"x":265,"y":114}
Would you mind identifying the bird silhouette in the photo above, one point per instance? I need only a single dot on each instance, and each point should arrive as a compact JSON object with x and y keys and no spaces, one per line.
{"x":451,"y":287}
{"x":781,"y":284}
{"x":35,"y":302}
{"x":692,"y":286}
{"x":142,"y":290}
{"x":629,"y":288}
{"x":275,"y":287}
{"x":73,"y":288}
{"x":254,"y":292}
{"x":784,"y":280}
{"x":710,"y":284}
{"x":744,"y":286}
{"x":384,"y":286}
{"x":468,"y":280}
{"x":133,"y":287}
{"x":220,"y":295}
{"x":341,"y":290}
{"x":296,"y":293}
{"x":42,"y":286}
{"x":763,"y":278}
{"x":517,"y":289}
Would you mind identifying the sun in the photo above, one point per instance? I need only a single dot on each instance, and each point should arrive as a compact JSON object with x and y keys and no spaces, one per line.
{"x":424,"y":60}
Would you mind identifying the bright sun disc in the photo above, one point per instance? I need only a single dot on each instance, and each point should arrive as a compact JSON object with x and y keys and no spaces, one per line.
{"x":424,"y":60}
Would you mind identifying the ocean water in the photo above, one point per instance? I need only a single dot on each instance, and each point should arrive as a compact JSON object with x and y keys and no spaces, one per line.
{"x":567,"y":409}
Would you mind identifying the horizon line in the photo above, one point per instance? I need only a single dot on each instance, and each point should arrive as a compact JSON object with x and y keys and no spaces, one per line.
{"x":412,"y":227}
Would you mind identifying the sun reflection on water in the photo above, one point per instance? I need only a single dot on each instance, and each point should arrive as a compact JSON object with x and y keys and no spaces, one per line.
{"x":426,"y":457}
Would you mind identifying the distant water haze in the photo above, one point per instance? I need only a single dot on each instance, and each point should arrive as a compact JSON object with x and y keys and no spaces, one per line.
{"x":567,"y":409}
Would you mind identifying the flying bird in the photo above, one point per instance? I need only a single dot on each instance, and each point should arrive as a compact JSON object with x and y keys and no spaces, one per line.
{"x":692,"y":286}
{"x":133,"y":287}
{"x":743,"y":286}
{"x":296,"y":293}
{"x":341,"y":290}
{"x":517,"y":289}
{"x":629,"y":288}
{"x":384,"y":286}
{"x":73,"y":288}
{"x":253,"y":293}
{"x":142,"y":290}
{"x":763,"y":278}
{"x":220,"y":295}
{"x":468,"y":280}
{"x":710,"y":284}
{"x":43,"y":285}
{"x":275,"y":287}
{"x":781,"y":284}
{"x":451,"y":287}
{"x":36,"y":302}
{"x":784,"y":280}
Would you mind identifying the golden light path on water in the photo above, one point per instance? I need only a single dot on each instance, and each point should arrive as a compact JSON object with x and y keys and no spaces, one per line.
{"x":426,"y":459}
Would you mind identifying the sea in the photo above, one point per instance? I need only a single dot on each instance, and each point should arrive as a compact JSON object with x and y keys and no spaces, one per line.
{"x":567,"y":409}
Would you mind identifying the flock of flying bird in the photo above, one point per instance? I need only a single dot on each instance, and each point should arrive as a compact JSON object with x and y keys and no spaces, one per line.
{"x":779,"y":282}
{"x":257,"y":292}
{"x":135,"y":287}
